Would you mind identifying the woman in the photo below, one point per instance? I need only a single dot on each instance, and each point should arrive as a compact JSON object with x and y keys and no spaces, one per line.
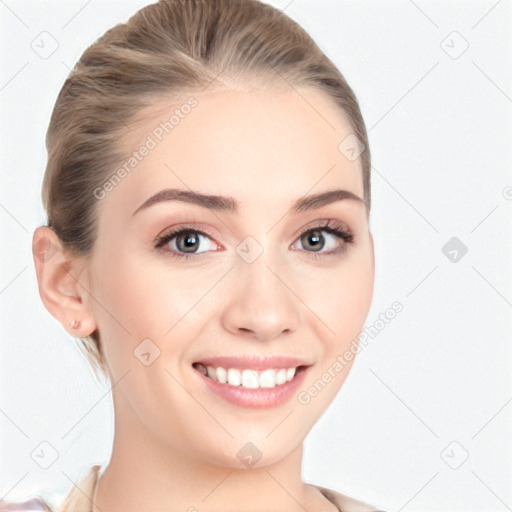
{"x":208,"y":199}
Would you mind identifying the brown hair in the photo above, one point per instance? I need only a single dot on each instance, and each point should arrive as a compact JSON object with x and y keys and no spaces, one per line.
{"x":165,"y":49}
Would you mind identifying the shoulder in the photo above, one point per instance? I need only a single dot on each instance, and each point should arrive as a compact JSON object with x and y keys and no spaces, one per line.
{"x":347,"y":503}
{"x":76,"y":499}
{"x":34,"y":504}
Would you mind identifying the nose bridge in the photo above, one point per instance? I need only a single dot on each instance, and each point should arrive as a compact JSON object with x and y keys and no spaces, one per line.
{"x":256,"y":272}
{"x":255,"y":278}
{"x":260,"y":302}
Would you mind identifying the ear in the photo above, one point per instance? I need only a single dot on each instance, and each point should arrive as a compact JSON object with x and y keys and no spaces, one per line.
{"x":62,"y":282}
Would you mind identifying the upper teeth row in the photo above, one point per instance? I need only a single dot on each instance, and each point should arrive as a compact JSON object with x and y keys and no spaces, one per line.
{"x":251,"y":379}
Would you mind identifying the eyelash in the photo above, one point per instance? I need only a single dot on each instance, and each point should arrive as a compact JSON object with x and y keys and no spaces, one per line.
{"x":331,"y":227}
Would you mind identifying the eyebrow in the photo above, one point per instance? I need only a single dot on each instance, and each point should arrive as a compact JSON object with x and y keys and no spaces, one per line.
{"x":230,"y":205}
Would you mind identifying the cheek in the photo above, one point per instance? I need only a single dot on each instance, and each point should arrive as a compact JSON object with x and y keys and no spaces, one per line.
{"x":126,"y":307}
{"x":353,"y":298}
{"x":141,"y":297}
{"x":342,"y":298}
{"x":138,"y":296}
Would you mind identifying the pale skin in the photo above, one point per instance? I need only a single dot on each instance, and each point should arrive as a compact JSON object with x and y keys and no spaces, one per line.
{"x":176,"y":443}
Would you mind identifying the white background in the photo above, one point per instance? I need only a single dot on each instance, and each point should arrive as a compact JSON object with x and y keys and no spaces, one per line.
{"x":438,"y":373}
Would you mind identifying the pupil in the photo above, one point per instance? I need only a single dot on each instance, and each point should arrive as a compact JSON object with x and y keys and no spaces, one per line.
{"x":315,"y":238}
{"x":190,"y":240}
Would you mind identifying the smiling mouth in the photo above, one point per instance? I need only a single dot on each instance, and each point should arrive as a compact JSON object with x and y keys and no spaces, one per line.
{"x":249,"y":378}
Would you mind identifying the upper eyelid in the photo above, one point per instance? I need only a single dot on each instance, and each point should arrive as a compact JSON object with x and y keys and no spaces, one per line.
{"x":190,"y":226}
{"x":310,"y":226}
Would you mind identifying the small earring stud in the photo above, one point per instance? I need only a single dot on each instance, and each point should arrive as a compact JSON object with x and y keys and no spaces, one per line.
{"x":75,"y":324}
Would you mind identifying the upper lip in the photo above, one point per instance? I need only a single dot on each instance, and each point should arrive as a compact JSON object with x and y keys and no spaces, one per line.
{"x":253,"y":362}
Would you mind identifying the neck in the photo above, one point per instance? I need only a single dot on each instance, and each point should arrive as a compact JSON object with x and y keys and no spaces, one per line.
{"x":146,"y":474}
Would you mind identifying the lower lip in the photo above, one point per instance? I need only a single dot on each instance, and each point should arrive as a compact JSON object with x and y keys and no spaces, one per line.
{"x":259,"y":398}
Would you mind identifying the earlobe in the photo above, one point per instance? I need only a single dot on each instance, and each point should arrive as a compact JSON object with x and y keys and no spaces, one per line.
{"x":60,"y":279}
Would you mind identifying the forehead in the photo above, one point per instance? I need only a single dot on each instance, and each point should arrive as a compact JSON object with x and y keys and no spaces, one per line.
{"x":264,"y":145}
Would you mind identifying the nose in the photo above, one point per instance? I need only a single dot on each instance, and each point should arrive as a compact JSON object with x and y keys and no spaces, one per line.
{"x":261,"y":304}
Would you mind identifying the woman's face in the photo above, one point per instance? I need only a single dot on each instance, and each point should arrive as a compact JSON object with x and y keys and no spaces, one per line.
{"x":252,"y":284}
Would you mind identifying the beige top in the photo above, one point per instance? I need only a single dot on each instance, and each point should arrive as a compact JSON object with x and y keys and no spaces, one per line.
{"x":80,"y":498}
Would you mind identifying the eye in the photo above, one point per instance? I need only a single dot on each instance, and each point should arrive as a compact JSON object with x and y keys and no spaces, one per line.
{"x":186,"y":239}
{"x":337,"y":242}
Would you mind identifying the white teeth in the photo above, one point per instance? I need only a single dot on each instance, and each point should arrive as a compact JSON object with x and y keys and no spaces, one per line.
{"x":268,"y":379}
{"x":281,"y":377}
{"x":221,"y":375}
{"x":211,"y":372}
{"x":234,"y":377}
{"x":250,"y":379}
